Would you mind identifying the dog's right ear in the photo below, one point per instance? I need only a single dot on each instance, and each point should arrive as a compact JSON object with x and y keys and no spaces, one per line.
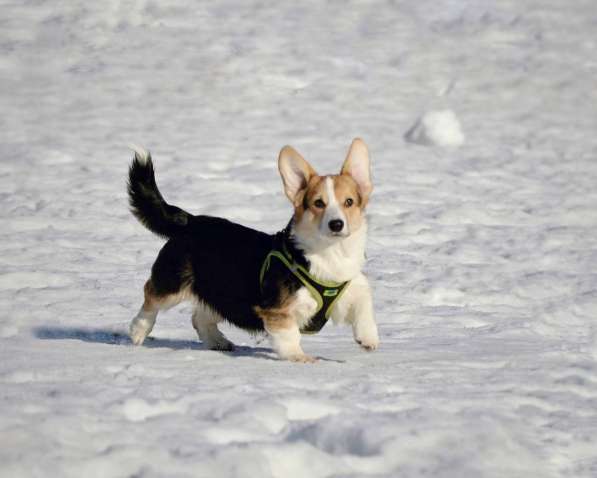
{"x":295,"y":171}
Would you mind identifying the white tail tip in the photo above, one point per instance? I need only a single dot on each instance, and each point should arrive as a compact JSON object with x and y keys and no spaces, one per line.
{"x":141,"y":153}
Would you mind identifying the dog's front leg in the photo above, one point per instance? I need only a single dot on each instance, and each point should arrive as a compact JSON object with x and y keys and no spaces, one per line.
{"x":282,"y":324}
{"x":286,"y":339}
{"x":360,"y":314}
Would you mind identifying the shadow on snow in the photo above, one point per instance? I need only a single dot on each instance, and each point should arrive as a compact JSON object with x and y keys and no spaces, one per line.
{"x":111,"y":337}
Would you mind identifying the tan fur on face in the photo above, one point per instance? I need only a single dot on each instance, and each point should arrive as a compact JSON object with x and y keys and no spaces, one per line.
{"x":306,"y":198}
{"x":346,"y":188}
{"x":309,"y":216}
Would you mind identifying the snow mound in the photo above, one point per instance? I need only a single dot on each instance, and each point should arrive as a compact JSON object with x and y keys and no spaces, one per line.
{"x":436,"y":128}
{"x":138,"y":410}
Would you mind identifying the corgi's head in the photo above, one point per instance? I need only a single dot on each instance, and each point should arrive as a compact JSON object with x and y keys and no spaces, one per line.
{"x":328,"y":207}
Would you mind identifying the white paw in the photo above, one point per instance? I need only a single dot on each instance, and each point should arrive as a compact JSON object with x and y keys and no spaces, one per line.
{"x":302,"y":358}
{"x":368,"y":343}
{"x":365,"y":334}
{"x":138,"y":331}
{"x":137,"y":337}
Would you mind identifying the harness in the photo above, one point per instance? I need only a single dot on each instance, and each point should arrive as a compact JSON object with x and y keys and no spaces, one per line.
{"x":325,"y":293}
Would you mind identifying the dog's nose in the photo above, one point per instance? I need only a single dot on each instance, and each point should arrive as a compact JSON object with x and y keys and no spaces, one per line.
{"x":336,"y":225}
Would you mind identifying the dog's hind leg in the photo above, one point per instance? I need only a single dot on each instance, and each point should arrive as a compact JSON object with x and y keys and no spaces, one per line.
{"x":205,"y":322}
{"x":144,"y":321}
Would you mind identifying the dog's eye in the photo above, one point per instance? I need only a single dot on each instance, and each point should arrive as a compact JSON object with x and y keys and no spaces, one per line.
{"x":319,"y":204}
{"x":349,"y":202}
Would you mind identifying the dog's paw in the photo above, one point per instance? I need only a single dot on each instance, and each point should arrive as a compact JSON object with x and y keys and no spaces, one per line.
{"x":138,"y":332}
{"x":302,"y":358}
{"x":221,"y":345}
{"x":365,"y":334}
{"x":369,"y":344}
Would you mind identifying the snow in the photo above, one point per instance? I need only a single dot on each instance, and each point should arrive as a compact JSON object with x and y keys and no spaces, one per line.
{"x":483,"y":259}
{"x":436,"y":128}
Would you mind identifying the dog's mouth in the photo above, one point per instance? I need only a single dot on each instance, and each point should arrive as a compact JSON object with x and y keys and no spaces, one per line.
{"x":339,"y":234}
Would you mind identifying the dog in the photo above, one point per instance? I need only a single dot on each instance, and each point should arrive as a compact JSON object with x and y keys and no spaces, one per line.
{"x":283,"y":284}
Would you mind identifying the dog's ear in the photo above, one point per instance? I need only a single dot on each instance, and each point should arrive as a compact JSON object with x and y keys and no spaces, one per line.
{"x":295,"y":172}
{"x":356,"y":165}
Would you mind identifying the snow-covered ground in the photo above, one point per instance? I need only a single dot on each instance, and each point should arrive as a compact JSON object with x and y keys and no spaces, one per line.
{"x":483,"y":258}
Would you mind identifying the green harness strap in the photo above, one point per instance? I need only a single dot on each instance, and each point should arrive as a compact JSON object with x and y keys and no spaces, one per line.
{"x":325,"y":293}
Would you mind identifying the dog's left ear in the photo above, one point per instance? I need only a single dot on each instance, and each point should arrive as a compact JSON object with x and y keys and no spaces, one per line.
{"x":296,"y":173}
{"x":356,"y":165}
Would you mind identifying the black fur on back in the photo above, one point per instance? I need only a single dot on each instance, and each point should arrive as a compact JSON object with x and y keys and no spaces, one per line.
{"x":220,"y":261}
{"x":148,"y":205}
{"x":217,"y":259}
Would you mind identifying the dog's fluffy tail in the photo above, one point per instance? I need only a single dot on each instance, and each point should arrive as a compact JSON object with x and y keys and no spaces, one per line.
{"x":147,"y":204}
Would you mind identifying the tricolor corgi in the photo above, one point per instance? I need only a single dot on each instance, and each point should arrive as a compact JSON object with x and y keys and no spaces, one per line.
{"x":285,"y":284}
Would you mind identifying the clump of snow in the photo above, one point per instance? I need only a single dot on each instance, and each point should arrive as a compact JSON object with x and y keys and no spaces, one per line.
{"x":137,"y":409}
{"x":8,"y":331}
{"x":308,"y":409}
{"x":20,"y":376}
{"x":38,"y":280}
{"x":436,"y":128}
